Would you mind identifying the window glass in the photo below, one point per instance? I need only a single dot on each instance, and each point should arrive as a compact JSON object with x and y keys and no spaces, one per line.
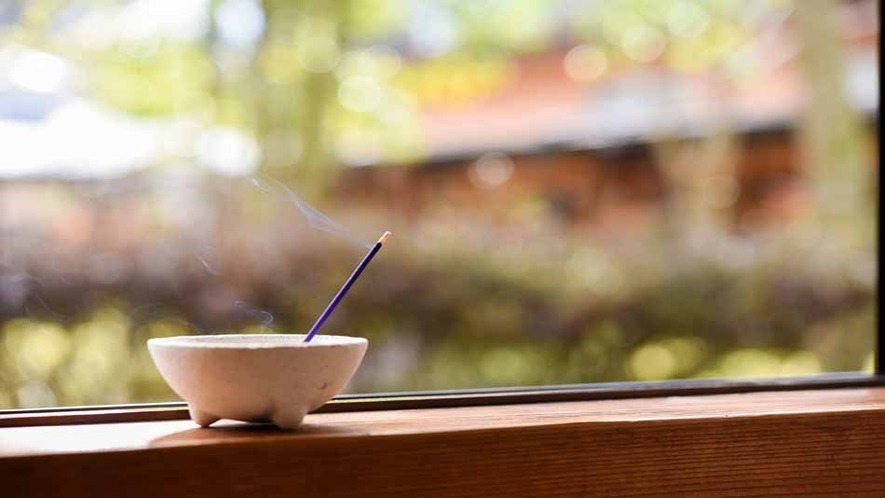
{"x":579,"y":191}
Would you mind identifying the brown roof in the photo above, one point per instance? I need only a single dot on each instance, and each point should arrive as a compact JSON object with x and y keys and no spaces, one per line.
{"x":540,"y":105}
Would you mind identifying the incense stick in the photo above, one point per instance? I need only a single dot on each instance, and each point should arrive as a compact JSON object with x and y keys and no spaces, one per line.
{"x":344,"y":288}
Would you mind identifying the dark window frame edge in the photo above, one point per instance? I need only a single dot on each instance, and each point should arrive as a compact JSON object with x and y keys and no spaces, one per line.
{"x":148,"y":412}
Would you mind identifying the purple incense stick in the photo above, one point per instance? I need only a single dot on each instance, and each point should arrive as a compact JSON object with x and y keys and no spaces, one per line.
{"x":344,"y":288}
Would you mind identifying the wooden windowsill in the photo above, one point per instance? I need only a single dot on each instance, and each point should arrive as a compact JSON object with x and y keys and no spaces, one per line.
{"x":827,"y":442}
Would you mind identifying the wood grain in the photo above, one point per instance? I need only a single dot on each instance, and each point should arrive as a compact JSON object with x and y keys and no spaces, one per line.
{"x":808,"y":443}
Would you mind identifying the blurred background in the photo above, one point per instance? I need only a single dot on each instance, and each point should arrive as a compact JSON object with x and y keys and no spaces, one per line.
{"x":580,"y":191}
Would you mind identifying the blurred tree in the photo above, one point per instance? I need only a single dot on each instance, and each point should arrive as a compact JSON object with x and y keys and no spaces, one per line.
{"x":292,"y":103}
{"x":712,"y":37}
{"x":831,"y":133}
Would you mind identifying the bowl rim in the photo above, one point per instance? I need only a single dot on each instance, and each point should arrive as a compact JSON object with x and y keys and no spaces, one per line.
{"x":255,"y":341}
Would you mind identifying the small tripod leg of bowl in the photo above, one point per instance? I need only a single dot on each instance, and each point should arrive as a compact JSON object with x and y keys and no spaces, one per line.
{"x":202,"y":418}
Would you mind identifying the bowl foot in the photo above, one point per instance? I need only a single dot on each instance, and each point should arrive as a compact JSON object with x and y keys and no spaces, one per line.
{"x":287,"y":419}
{"x":202,"y":418}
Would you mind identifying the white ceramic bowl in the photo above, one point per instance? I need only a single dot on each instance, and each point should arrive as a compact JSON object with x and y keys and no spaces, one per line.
{"x":256,"y":378}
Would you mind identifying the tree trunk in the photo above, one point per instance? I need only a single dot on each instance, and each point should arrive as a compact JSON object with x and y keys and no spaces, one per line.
{"x":301,"y":111}
{"x":831,"y":134}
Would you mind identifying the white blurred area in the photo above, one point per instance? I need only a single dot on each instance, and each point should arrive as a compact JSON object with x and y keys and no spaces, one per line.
{"x":50,"y":129}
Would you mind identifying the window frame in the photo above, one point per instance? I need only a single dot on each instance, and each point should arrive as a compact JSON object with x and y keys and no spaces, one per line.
{"x":177,"y":410}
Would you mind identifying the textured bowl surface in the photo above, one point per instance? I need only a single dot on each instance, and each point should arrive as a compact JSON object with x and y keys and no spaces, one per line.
{"x":256,"y":378}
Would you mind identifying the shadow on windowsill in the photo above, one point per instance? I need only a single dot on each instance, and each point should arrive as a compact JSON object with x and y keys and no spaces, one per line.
{"x":229,"y":430}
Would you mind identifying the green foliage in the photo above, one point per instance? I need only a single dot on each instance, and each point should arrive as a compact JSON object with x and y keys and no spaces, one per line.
{"x":689,"y":35}
{"x":158,"y":79}
{"x":446,"y":313}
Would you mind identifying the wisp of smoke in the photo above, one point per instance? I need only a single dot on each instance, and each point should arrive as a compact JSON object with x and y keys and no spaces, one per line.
{"x":143,"y":314}
{"x":204,"y":253}
{"x":209,"y":268}
{"x":52,"y":313}
{"x":266,"y":316}
{"x":20,"y":288}
{"x":313,"y":217}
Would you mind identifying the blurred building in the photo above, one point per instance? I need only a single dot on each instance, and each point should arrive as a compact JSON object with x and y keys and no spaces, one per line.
{"x":586,"y":147}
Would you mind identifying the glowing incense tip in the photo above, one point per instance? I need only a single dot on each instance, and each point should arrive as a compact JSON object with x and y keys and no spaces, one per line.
{"x":350,"y":280}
